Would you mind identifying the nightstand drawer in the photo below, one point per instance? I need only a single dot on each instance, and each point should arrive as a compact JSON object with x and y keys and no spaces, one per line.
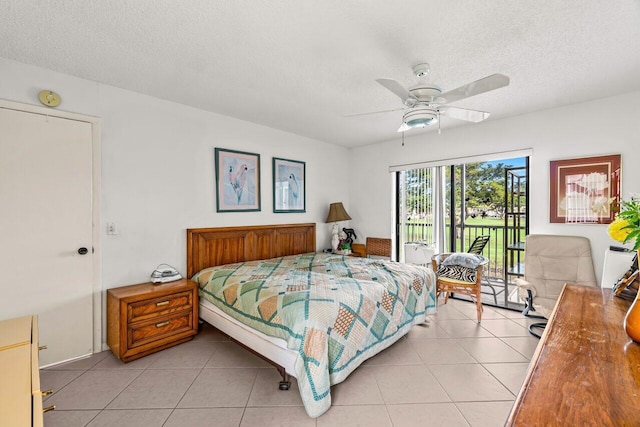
{"x":144,"y":333}
{"x":151,"y":308}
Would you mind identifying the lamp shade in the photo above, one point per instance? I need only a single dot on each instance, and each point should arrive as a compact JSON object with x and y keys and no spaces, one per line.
{"x":337,"y":213}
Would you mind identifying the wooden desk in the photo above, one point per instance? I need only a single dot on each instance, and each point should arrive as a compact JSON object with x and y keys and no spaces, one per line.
{"x":586,"y":370}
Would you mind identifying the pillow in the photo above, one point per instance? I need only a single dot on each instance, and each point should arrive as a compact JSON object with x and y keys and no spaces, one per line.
{"x":457,"y":272}
{"x":465,"y":260}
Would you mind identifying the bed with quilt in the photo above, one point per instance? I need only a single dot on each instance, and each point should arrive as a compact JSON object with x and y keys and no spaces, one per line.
{"x":331,"y":312}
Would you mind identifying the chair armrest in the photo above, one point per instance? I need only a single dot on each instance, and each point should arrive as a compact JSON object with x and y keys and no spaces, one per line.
{"x":523,"y":287}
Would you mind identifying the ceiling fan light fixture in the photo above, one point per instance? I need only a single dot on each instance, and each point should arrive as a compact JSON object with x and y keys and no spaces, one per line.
{"x":421,"y":122}
{"x":419,"y":117}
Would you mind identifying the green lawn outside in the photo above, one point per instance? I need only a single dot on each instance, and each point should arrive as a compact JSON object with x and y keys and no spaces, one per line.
{"x":494,"y":227}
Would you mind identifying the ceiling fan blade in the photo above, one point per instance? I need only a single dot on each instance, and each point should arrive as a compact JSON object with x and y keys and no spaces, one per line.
{"x":373,"y":112}
{"x":464,"y":114}
{"x":494,"y":81}
{"x":403,"y":127}
{"x":396,"y":88}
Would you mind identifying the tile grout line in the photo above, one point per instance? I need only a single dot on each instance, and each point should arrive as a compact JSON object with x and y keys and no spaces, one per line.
{"x":246,"y":405}
{"x":190,"y":385}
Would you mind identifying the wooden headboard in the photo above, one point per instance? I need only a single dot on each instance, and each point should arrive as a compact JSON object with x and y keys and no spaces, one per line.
{"x":208,"y":247}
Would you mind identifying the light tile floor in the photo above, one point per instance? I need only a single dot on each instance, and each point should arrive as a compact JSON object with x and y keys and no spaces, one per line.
{"x":451,"y":372}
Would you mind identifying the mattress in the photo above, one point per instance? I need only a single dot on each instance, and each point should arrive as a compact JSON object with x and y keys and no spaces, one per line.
{"x":274,"y":349}
{"x":333,"y":312}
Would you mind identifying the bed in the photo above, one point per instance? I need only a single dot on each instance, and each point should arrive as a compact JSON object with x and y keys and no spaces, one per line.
{"x":314,"y":316}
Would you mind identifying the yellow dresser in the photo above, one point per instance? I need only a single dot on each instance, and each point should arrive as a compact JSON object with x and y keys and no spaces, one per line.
{"x":20,"y":395}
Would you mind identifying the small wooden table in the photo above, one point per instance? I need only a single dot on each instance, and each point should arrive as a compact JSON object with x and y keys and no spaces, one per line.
{"x":586,"y":370}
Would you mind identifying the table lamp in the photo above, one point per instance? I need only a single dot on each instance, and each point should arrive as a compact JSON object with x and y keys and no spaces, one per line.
{"x":336,"y":214}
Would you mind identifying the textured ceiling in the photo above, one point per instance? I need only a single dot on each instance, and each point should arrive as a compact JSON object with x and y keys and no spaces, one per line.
{"x":301,"y":66}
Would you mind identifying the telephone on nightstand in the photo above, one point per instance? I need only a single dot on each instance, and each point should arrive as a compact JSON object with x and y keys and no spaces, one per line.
{"x":165,"y":273}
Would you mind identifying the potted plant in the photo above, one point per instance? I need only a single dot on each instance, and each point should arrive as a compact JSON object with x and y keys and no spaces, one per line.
{"x":626,"y":229}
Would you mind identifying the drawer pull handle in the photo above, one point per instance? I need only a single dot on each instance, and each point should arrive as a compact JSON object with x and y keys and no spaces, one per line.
{"x":161,"y":324}
{"x":160,"y":304}
{"x":47,"y":392}
{"x":42,"y":347}
{"x":48,"y":408}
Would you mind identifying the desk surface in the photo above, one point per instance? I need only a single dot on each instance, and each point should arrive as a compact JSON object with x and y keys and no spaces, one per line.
{"x":586,"y":370}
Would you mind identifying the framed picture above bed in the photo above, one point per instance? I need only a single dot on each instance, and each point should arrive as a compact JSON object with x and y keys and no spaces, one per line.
{"x":237,"y":181}
{"x":582,"y":191}
{"x":289,"y":180}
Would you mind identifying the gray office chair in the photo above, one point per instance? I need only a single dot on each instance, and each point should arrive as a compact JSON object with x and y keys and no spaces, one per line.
{"x":550,"y":262}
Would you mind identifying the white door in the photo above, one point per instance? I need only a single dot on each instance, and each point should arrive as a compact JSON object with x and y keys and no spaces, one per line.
{"x":45,"y":218}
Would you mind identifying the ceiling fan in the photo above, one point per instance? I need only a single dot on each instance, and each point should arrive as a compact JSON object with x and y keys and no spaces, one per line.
{"x":425,"y":102}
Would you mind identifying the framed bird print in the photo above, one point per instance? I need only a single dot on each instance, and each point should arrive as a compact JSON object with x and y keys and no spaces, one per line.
{"x":237,"y":181}
{"x":289,"y":193}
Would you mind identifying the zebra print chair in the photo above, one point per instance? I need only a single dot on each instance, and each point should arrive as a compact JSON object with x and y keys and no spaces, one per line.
{"x":461,"y":274}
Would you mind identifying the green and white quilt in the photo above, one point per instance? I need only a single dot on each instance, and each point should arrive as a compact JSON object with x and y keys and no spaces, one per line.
{"x":335,"y":311}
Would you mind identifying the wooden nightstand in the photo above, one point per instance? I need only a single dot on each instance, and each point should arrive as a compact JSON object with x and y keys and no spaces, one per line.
{"x":359,"y":250}
{"x":145,"y":318}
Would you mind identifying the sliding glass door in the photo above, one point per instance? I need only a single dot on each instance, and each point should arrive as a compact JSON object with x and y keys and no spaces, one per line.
{"x":450,"y":206}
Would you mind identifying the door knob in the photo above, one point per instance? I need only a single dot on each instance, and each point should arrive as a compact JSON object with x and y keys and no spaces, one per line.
{"x":83,"y":251}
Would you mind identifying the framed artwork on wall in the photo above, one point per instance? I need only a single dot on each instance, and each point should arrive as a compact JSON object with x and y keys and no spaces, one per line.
{"x":237,"y":181}
{"x":583,"y":191}
{"x":289,"y":191}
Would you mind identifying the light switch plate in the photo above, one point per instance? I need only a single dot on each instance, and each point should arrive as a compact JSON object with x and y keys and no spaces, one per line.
{"x":112,"y":229}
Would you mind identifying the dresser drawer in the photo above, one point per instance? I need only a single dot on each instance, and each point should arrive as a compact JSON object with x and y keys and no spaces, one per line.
{"x":15,"y":389}
{"x":143,"y":333}
{"x":152,"y":308}
{"x":19,"y":374}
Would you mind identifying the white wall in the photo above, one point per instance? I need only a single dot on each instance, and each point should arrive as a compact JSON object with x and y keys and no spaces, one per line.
{"x":158,"y":169}
{"x":158,"y":179}
{"x":606,"y":126}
